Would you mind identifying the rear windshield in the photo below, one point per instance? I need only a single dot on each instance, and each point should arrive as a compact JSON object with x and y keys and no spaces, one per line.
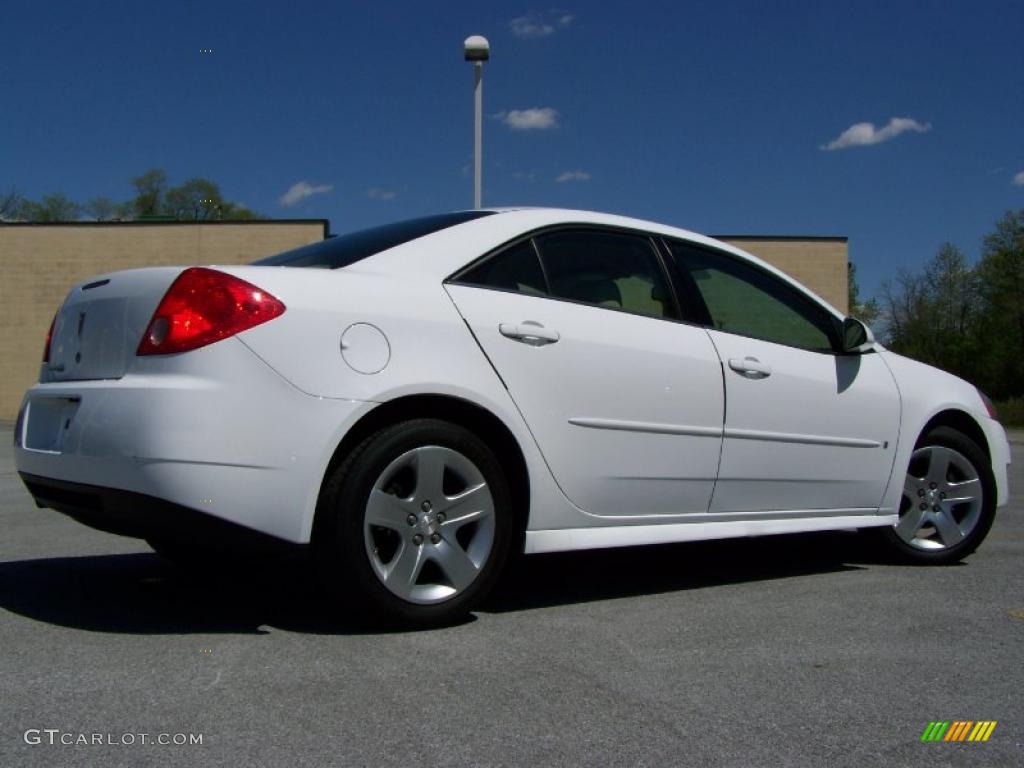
{"x":337,"y":252}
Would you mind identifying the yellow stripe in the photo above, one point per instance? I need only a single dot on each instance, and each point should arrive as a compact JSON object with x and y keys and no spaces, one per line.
{"x":981,"y":725}
{"x":988,"y":731}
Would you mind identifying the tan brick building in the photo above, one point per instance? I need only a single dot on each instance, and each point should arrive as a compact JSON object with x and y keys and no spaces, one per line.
{"x":817,"y":262}
{"x":40,"y":262}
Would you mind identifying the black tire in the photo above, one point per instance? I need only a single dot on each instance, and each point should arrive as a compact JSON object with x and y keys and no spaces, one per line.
{"x":902,"y":550}
{"x":342,"y":536}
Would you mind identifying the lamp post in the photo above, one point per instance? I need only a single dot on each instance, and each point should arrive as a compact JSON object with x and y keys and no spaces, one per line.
{"x":477,"y":50}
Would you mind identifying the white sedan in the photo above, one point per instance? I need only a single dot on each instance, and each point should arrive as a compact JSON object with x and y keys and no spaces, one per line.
{"x":420,"y":400}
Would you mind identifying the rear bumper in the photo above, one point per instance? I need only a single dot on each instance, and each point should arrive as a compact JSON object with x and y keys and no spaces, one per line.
{"x":134,"y":514}
{"x":218,"y":434}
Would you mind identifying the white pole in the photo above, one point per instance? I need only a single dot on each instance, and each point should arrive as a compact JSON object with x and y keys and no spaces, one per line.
{"x":478,"y":67}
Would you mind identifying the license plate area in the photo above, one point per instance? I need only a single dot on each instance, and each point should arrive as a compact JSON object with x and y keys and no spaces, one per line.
{"x":47,"y":422}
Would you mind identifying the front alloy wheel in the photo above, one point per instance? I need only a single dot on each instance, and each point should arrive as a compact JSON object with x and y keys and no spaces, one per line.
{"x":942,"y":499}
{"x":948,"y":501}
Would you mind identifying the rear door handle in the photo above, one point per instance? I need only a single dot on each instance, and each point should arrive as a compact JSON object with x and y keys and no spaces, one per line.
{"x":529,"y":332}
{"x":750,"y":367}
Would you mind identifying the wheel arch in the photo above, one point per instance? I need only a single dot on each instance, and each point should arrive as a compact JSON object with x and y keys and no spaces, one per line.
{"x":456,"y":410}
{"x":962,"y":422}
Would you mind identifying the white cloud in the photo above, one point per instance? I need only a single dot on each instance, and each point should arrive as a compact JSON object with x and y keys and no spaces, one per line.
{"x":376,"y":193}
{"x":534,"y":25}
{"x":533,"y":119}
{"x":300,"y":190}
{"x":1018,"y":180}
{"x":576,"y":175}
{"x":865,"y":134}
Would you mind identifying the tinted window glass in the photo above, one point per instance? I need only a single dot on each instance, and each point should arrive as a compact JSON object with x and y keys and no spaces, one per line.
{"x":347,"y":249}
{"x":516,"y":269}
{"x":742,"y":299}
{"x":609,"y":269}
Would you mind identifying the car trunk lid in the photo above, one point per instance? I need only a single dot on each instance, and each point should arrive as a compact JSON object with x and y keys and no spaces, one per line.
{"x":99,"y":325}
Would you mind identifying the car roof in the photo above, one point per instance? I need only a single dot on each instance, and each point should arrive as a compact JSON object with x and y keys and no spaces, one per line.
{"x":444,"y":252}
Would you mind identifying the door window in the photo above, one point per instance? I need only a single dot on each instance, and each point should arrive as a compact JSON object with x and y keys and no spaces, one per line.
{"x":744,"y":300}
{"x":608,"y":269}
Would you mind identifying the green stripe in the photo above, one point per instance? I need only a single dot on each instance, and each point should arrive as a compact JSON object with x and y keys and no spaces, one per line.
{"x":936,"y":730}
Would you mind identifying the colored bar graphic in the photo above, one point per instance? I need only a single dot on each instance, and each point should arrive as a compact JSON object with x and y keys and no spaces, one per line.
{"x":935,"y":730}
{"x":958,"y":730}
{"x":989,"y":726}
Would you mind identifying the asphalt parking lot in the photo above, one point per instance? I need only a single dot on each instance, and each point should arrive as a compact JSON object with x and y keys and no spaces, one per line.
{"x":802,"y":650}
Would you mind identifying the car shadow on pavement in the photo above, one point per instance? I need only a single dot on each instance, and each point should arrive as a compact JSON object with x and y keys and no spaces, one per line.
{"x":583,"y":576}
{"x":143,"y":594}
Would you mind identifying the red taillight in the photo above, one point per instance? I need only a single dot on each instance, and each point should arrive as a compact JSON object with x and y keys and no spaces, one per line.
{"x":49,"y":340}
{"x":203,"y":306}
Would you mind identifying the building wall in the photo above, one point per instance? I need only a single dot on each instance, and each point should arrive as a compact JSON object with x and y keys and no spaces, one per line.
{"x":817,"y":262}
{"x":40,"y":262}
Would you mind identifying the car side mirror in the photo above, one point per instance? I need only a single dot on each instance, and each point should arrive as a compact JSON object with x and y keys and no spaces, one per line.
{"x":857,"y":337}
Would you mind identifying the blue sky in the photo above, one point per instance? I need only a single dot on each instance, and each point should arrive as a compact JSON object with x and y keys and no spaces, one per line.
{"x":712,"y":116}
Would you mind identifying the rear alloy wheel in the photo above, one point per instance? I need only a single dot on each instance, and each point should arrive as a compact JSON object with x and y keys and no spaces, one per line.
{"x":418,"y":519}
{"x":425,"y":542}
{"x":948,"y":500}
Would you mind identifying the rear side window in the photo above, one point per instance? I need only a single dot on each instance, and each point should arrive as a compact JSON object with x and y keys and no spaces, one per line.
{"x":338,"y":252}
{"x":516,"y":269}
{"x":744,"y":300}
{"x":610,"y":269}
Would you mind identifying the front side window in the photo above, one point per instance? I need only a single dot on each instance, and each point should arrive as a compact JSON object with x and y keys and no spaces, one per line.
{"x":744,"y":300}
{"x":609,"y":269}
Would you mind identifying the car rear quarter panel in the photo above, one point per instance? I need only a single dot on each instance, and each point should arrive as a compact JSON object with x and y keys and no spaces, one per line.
{"x":431,"y":351}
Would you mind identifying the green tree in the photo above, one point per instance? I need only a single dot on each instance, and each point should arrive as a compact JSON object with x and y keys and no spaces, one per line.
{"x":102,"y":209}
{"x":12,"y":205}
{"x":236,"y":212}
{"x":933,"y":315}
{"x":869,"y":311}
{"x":55,"y":207}
{"x":198,"y":199}
{"x":150,"y":189}
{"x":1001,"y":292}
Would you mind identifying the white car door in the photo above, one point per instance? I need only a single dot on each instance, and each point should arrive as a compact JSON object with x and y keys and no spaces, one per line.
{"x":625,"y":401}
{"x":806,"y":429}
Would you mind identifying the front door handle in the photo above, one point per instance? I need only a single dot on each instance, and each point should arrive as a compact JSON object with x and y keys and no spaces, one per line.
{"x":529,"y":332}
{"x":750,"y":367}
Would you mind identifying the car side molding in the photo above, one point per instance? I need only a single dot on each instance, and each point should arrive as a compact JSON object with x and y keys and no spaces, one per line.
{"x":607,"y":537}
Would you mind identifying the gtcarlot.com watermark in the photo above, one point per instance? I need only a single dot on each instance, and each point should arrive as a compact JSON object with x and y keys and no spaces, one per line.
{"x":57,"y":737}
